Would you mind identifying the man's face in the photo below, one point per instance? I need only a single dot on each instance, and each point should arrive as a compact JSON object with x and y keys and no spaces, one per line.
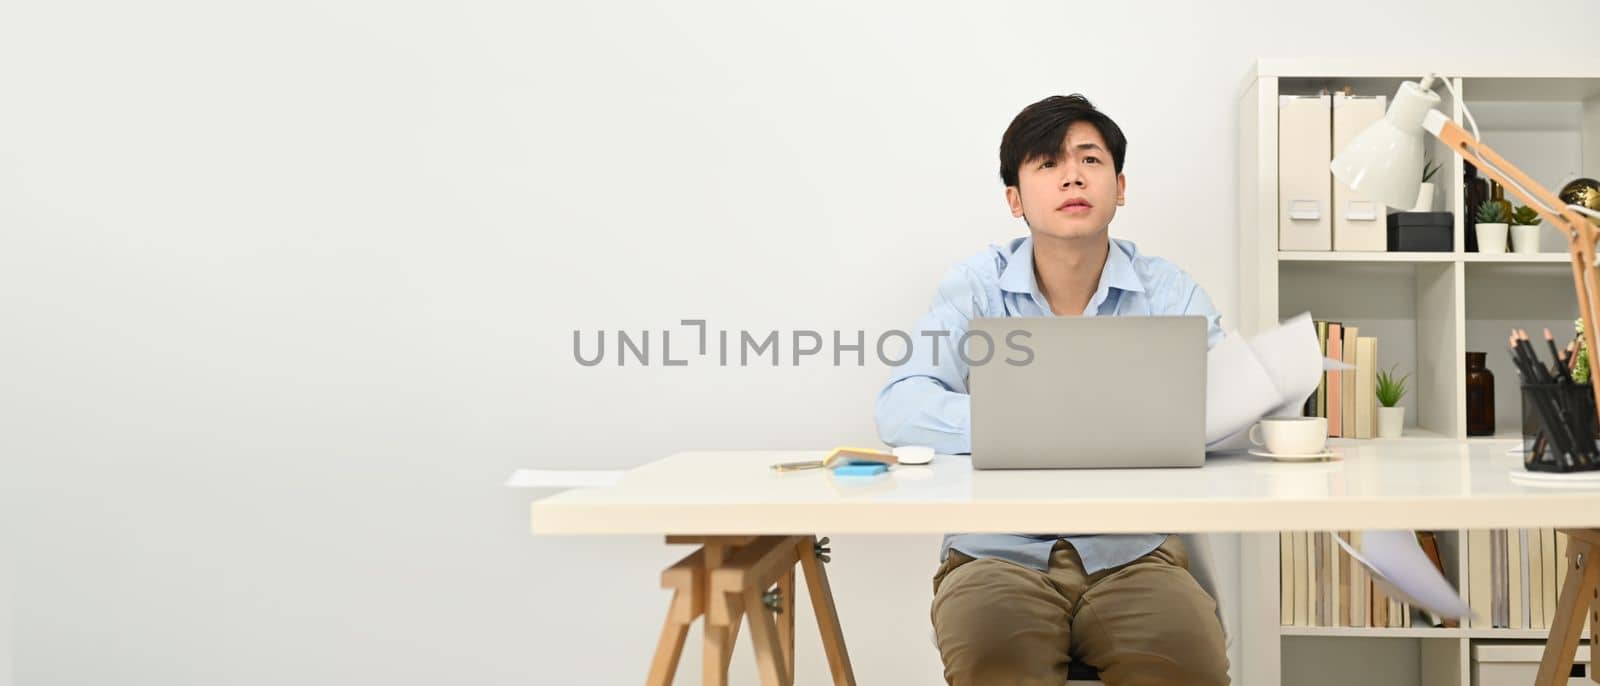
{"x":1073,"y":194}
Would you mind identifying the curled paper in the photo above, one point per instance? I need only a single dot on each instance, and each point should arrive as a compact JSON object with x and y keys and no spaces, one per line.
{"x":1270,"y":374}
{"x":1401,"y":570}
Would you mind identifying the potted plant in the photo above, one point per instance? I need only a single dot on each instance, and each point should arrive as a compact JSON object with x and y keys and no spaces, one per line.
{"x":1525,"y":230}
{"x":1425,"y":191}
{"x":1491,"y":227}
{"x":1391,"y":417}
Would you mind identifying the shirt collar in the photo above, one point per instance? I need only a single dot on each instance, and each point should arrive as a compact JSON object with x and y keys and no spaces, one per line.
{"x":1118,"y":273}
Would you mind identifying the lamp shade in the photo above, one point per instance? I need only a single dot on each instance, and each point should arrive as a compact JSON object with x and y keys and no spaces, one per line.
{"x":1384,"y":162}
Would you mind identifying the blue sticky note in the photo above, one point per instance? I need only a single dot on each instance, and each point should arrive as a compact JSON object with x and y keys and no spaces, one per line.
{"x":860,"y":469}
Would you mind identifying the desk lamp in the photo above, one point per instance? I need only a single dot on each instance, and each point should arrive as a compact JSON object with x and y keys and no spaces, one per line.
{"x":1384,"y":162}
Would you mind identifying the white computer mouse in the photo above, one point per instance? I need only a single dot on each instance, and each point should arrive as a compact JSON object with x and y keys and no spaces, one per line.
{"x":913,"y":454}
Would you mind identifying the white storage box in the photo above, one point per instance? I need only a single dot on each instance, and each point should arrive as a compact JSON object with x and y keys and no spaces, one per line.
{"x":1497,"y":663}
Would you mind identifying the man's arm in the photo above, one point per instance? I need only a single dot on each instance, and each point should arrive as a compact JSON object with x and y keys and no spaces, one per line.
{"x":1197,"y":302}
{"x":925,"y":401}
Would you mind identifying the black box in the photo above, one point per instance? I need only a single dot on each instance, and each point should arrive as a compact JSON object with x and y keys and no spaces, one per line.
{"x":1421,"y":232}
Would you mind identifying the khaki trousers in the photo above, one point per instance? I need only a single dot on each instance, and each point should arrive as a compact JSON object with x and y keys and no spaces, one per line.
{"x":1146,"y":622}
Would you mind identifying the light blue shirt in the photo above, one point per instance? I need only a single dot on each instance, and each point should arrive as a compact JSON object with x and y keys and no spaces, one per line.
{"x":925,"y":401}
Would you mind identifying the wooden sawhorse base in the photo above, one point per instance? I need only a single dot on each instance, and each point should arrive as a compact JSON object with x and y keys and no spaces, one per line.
{"x":1579,"y":601}
{"x":726,"y":581}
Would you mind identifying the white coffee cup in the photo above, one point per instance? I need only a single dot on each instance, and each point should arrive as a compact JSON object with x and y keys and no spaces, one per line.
{"x":1291,"y":435}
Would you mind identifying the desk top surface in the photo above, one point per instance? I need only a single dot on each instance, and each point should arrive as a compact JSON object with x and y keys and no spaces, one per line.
{"x":1398,"y":484}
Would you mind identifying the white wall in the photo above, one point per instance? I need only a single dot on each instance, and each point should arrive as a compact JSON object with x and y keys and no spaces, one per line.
{"x":5,"y":614}
{"x":290,"y":288}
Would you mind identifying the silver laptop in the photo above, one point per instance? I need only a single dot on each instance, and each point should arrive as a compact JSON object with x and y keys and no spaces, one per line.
{"x":1099,"y":392}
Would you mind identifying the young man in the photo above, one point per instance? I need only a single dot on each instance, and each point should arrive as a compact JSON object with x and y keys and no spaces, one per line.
{"x":1016,"y":609}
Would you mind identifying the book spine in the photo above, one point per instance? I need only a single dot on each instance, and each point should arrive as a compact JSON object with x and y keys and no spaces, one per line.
{"x":1366,"y":387}
{"x":1498,"y":578}
{"x":1479,"y":578}
{"x":1322,"y":383}
{"x":1358,"y":587}
{"x":1286,"y":578}
{"x":1302,"y":585}
{"x":1342,"y":588}
{"x":1552,"y":567}
{"x":1347,"y":383}
{"x":1533,"y":596}
{"x":1335,"y":379}
{"x":1318,"y":616}
{"x":1516,"y":575}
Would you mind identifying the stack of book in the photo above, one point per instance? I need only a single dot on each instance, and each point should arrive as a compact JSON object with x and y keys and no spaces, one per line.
{"x":1348,"y":399}
{"x":1514,"y":577}
{"x":1321,"y":585}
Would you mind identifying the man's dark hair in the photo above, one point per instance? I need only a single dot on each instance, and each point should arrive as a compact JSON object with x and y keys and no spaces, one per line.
{"x":1038,"y":130}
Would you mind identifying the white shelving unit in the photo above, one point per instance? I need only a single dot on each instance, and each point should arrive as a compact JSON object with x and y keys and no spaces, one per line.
{"x":1427,"y":310}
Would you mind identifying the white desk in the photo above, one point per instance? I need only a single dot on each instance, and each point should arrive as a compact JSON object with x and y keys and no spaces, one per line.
{"x":1400,"y":484}
{"x":1405,"y":484}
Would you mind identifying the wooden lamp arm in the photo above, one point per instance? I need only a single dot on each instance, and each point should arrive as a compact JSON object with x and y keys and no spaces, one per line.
{"x":1567,"y":220}
{"x":1581,"y":234}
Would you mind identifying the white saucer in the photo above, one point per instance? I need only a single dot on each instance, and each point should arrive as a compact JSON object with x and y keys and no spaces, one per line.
{"x":1589,"y":479}
{"x":1326,"y":454}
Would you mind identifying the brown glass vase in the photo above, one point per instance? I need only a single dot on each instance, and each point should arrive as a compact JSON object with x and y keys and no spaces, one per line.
{"x":1480,"y":396}
{"x":1477,"y":191}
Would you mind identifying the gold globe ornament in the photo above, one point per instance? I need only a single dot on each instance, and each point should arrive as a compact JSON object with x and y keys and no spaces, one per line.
{"x":1583,"y":193}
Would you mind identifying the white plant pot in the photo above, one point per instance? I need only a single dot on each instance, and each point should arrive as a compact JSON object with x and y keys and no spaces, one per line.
{"x":1390,"y":421}
{"x":1424,"y":198}
{"x":1525,"y":239}
{"x":1492,"y":238}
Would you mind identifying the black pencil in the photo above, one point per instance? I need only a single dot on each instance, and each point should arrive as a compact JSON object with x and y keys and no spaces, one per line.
{"x":1579,"y":407}
{"x":1553,"y":419}
{"x":1561,"y":367}
{"x":1562,"y":401}
{"x":1573,"y":419}
{"x":1527,"y":361}
{"x":1532,"y":357}
{"x":1546,"y":438}
{"x":1517,"y":360}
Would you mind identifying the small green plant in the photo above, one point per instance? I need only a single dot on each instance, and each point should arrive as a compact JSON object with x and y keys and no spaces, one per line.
{"x":1580,"y":369}
{"x":1391,"y":390}
{"x":1490,"y":212}
{"x":1525,"y":216}
{"x":1429,"y":168}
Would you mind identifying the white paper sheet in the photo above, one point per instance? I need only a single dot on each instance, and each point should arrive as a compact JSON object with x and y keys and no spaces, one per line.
{"x":564,"y":478}
{"x":1271,"y":375}
{"x":1268,"y":375}
{"x":1402,"y":570}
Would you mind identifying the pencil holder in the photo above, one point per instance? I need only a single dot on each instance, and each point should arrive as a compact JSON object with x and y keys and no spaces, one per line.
{"x":1559,"y":428}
